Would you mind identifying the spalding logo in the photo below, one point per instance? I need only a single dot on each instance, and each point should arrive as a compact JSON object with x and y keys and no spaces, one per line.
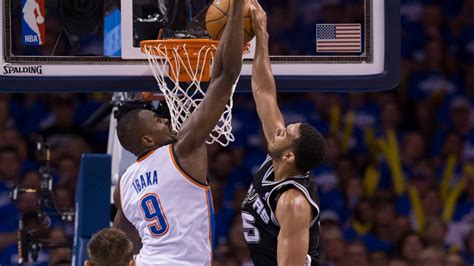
{"x":9,"y":69}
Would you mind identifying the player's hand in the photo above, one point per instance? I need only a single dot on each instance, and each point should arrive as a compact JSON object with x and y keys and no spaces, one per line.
{"x":259,"y":17}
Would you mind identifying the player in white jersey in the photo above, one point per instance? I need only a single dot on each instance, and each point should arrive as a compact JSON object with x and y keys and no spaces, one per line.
{"x":163,"y":199}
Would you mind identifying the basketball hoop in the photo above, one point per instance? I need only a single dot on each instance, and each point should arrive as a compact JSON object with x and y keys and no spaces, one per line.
{"x":187,"y":61}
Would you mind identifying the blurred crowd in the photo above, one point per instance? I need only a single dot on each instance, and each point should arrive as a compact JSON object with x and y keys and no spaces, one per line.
{"x":396,"y":189}
{"x":57,"y":119}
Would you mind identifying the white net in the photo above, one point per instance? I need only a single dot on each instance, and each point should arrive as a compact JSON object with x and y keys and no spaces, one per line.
{"x":183,"y":99}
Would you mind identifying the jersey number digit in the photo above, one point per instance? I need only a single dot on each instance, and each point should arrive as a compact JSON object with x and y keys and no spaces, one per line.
{"x":251,"y":233}
{"x":153,"y":213}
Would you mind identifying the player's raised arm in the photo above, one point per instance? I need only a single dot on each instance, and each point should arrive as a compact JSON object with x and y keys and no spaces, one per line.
{"x":263,"y":83}
{"x":293,"y":213}
{"x":225,"y":71}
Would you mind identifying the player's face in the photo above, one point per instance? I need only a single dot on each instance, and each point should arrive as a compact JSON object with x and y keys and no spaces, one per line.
{"x":283,"y":139}
{"x":158,"y":128}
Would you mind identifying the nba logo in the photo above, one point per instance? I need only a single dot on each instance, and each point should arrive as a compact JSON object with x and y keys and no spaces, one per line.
{"x":33,"y":22}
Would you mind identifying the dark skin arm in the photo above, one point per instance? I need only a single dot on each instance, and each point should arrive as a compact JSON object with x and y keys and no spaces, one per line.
{"x":294,"y":214}
{"x":190,"y":147}
{"x":263,"y":83}
{"x":123,"y":224}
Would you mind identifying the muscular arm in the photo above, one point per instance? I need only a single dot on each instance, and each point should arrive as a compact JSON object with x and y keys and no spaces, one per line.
{"x":226,"y":69}
{"x":293,"y":212}
{"x":123,"y":224}
{"x":263,"y":83}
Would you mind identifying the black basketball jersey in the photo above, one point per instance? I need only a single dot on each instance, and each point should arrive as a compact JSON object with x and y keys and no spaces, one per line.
{"x":260,"y":225}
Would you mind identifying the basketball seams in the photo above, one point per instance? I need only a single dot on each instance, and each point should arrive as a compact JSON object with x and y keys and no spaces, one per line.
{"x":222,"y":11}
{"x":214,"y":20}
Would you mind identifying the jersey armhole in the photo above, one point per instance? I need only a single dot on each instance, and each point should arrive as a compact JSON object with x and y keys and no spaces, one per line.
{"x":183,"y":172}
{"x":281,"y":188}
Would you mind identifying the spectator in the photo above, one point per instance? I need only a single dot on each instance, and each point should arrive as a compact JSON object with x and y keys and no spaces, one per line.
{"x":397,"y":262}
{"x":382,"y":237}
{"x":332,"y":247}
{"x":361,"y":221}
{"x":10,"y":164}
{"x":410,"y":246}
{"x":468,"y":253}
{"x":61,"y":128}
{"x":432,"y":256}
{"x":67,"y":171}
{"x":60,"y":256}
{"x":390,"y":117}
{"x":431,"y":206}
{"x":433,"y":79}
{"x":353,"y":191}
{"x":5,"y":120}
{"x":356,"y":254}
{"x":9,"y":177}
{"x":435,"y":235}
{"x":403,"y":226}
{"x":31,"y":180}
{"x":454,"y":260}
{"x":465,"y":207}
{"x":378,"y":258}
{"x":237,"y":244}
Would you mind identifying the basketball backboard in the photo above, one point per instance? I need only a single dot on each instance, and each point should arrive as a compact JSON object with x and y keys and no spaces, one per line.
{"x":92,"y":45}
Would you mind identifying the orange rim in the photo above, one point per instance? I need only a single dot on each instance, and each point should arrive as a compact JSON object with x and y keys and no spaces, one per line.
{"x":185,"y":48}
{"x":169,"y":43}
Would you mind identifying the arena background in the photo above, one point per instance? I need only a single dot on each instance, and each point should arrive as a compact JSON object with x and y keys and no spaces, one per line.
{"x":398,"y":182}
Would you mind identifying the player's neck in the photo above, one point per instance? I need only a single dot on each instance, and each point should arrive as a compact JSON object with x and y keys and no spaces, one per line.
{"x":282,"y":171}
{"x":145,"y":151}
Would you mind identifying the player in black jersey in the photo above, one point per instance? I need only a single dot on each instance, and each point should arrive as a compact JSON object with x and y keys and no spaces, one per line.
{"x":281,"y":210}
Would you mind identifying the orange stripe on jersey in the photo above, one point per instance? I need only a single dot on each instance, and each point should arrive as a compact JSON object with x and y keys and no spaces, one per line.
{"x":147,"y":155}
{"x":175,"y":163}
{"x":209,"y":206}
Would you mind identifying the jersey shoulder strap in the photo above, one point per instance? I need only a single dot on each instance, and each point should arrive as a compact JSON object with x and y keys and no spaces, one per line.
{"x":282,"y":187}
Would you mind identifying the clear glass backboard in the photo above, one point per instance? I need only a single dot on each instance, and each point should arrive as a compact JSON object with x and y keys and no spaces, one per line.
{"x":93,"y":45}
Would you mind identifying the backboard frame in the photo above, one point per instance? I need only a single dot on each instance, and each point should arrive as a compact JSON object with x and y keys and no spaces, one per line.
{"x":303,"y":78}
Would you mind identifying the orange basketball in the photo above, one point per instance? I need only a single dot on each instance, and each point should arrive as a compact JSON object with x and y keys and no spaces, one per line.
{"x":217,"y":15}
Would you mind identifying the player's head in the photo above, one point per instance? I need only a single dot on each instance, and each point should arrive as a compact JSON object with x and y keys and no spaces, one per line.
{"x":110,"y":246}
{"x":139,"y":130}
{"x":299,"y":145}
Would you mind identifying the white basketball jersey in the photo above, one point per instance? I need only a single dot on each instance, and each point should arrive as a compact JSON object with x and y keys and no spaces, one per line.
{"x":172,"y":213}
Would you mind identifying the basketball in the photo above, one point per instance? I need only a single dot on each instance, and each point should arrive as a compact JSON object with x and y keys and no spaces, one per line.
{"x":217,"y":15}
{"x":39,"y":19}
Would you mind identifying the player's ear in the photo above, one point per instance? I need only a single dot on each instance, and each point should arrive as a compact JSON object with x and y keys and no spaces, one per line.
{"x":132,"y":263}
{"x":288,"y":156}
{"x":86,"y":263}
{"x":148,"y":141}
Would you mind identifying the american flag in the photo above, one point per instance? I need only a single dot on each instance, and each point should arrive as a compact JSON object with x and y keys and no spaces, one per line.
{"x":338,"y":38}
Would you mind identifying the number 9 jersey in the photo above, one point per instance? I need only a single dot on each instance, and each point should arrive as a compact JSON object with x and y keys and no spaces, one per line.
{"x":171,"y":211}
{"x":260,"y":225}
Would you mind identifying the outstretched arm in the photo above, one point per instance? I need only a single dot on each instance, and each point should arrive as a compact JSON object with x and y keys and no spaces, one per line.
{"x":226,"y":69}
{"x":263,"y":83}
{"x":293,"y":213}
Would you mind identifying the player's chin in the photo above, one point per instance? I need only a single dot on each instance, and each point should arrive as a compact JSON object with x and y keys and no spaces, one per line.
{"x":173,"y":136}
